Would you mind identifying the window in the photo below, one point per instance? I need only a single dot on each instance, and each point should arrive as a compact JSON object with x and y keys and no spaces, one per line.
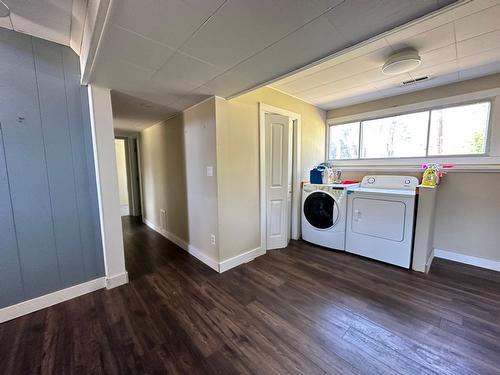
{"x":344,"y":141}
{"x":457,"y":130}
{"x":395,"y":137}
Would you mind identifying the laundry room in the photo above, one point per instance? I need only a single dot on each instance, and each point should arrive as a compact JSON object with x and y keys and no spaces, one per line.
{"x":456,"y":172}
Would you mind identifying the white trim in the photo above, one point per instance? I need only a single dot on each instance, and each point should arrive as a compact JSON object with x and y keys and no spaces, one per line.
{"x":39,"y":303}
{"x":103,"y":142}
{"x":198,"y":254}
{"x":428,"y":264}
{"x":490,"y":164}
{"x":116,"y":280}
{"x":245,"y":257}
{"x":297,"y":175}
{"x":467,"y":259}
{"x":132,"y":165}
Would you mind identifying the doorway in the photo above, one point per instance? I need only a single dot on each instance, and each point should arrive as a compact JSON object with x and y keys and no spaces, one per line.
{"x":127,"y":165}
{"x":121,"y":169}
{"x":280,"y":176}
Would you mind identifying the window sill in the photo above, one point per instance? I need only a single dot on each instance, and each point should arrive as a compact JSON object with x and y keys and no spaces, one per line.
{"x":460,"y":164}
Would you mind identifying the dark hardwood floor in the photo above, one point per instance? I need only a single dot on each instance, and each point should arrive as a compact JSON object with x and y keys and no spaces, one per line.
{"x":301,"y":310}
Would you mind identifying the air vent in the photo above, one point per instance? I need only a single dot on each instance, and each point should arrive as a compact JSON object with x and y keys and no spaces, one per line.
{"x":409,"y":82}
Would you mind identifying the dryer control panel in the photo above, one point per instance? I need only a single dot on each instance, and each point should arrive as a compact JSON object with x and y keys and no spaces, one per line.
{"x":390,"y":182}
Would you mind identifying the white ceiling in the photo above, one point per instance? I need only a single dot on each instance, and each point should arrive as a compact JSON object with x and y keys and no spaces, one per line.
{"x":46,"y":19}
{"x":132,"y":114}
{"x":177,"y":52}
{"x":457,"y":44}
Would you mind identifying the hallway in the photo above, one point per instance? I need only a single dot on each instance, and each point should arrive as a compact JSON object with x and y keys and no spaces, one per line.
{"x":298,"y":310}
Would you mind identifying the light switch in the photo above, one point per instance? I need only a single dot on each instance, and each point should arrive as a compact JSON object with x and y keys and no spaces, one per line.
{"x":210,"y":171}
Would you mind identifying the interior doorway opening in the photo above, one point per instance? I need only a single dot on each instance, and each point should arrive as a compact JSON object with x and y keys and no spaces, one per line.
{"x":121,"y":169}
{"x":127,"y":164}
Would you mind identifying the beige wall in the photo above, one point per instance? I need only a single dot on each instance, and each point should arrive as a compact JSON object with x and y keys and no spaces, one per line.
{"x":468,"y":215}
{"x":121,"y":166}
{"x":163,"y":176}
{"x":174,"y":155}
{"x":200,"y":151}
{"x":468,"y":204}
{"x":238,"y":162}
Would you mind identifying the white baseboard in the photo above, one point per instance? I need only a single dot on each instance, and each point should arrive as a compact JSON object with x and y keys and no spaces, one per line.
{"x":198,"y":254}
{"x":467,"y":259}
{"x":428,"y":264}
{"x":212,"y":263}
{"x":39,"y":303}
{"x":116,"y":280}
{"x":240,"y":259}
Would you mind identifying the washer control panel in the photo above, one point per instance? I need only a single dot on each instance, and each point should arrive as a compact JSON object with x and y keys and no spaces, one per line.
{"x":390,"y":182}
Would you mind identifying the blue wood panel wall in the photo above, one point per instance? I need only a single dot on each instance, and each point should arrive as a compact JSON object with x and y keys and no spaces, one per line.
{"x":49,"y":217}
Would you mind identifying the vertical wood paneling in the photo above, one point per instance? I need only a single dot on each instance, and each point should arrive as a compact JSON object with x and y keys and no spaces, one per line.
{"x":11,"y":286}
{"x":50,"y":231}
{"x":56,"y":134}
{"x":25,"y":157}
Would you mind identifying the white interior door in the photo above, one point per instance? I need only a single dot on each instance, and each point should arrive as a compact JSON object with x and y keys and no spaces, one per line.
{"x":278,"y":183}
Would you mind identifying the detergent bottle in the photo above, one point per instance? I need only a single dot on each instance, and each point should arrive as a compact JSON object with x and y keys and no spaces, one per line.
{"x":431,"y":175}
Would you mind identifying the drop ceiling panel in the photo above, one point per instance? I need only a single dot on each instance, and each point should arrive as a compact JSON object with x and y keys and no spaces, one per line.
{"x":228,"y":84}
{"x":392,"y":82}
{"x":478,"y":23}
{"x":134,"y":114}
{"x":479,"y":44}
{"x":483,"y":70}
{"x":46,"y":19}
{"x":438,"y":56}
{"x":364,"y":79}
{"x":188,"y":69}
{"x":426,"y":41}
{"x":435,"y":70}
{"x":169,"y":22}
{"x":454,"y":45}
{"x":341,"y":58}
{"x":480,"y":59}
{"x":357,"y":20}
{"x":242,"y":27}
{"x":5,"y":23}
{"x":173,"y":52}
{"x":300,"y":47}
{"x":340,"y":71}
{"x":131,"y":47}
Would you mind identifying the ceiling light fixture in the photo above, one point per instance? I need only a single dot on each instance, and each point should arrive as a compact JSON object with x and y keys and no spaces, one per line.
{"x":4,"y":9}
{"x":402,"y":62}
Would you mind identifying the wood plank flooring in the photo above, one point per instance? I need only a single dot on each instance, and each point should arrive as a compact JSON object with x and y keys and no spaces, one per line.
{"x":300,"y":310}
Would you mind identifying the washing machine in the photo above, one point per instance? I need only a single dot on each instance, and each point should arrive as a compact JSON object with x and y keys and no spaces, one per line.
{"x":381,"y":217}
{"x":324,"y":214}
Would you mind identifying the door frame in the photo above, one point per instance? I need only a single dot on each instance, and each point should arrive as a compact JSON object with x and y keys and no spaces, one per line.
{"x":133,"y":175}
{"x":296,"y":169}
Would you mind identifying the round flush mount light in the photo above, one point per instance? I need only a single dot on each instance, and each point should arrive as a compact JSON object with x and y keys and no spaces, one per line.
{"x":4,"y":9}
{"x":402,"y":62}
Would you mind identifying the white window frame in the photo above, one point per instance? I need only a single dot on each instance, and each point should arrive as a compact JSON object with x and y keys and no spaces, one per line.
{"x":462,"y":162}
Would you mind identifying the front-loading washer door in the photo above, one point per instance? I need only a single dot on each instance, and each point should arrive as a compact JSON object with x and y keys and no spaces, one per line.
{"x":321,"y":210}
